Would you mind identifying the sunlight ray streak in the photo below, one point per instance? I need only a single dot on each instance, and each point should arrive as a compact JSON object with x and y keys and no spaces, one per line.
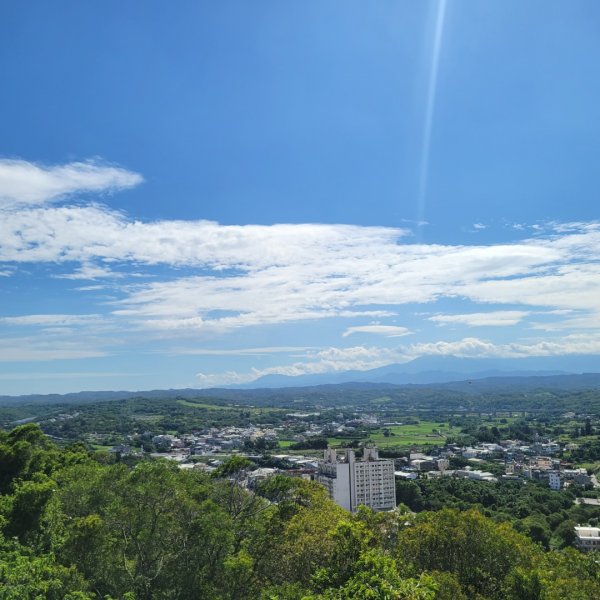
{"x":429,"y":111}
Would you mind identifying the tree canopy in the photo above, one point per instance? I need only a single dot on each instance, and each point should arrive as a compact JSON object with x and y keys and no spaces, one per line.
{"x":73,"y":527}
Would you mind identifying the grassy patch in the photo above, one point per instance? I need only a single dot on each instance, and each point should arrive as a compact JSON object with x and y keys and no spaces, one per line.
{"x":97,"y":447}
{"x":192,"y":404}
{"x":422,"y":433}
{"x":285,"y":443}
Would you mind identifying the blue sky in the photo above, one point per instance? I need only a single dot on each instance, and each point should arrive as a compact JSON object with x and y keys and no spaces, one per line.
{"x":203,"y":193}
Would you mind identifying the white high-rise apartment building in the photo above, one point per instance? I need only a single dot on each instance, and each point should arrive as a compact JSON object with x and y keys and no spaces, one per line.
{"x":352,"y":482}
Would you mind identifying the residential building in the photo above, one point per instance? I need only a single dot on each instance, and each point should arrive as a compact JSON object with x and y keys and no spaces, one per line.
{"x":423,"y":464}
{"x":443,"y":464}
{"x":554,"y":480}
{"x":587,"y":538}
{"x":350,"y":482}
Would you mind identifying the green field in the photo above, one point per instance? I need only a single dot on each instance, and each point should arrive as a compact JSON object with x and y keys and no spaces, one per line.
{"x":285,"y":443}
{"x":419,"y":434}
{"x":227,"y":407}
{"x":192,"y":404}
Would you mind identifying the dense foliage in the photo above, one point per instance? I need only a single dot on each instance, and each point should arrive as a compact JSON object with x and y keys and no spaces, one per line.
{"x":75,"y":527}
{"x":544,"y":515}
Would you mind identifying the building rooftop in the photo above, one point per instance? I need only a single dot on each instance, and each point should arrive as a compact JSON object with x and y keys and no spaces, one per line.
{"x":587,"y":532}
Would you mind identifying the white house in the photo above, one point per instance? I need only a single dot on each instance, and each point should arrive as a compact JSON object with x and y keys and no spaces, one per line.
{"x":587,"y":538}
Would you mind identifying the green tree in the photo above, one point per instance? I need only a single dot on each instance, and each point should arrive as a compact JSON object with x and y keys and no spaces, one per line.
{"x":535,"y":527}
{"x":377,"y":577}
{"x":409,"y":493}
{"x":24,"y":452}
{"x":564,"y":534}
{"x":27,"y":576}
{"x":478,"y":551}
{"x":146,"y":530}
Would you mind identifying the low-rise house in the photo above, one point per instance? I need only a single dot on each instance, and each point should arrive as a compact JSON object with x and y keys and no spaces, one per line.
{"x":577,"y":476}
{"x":442,"y":464}
{"x":123,"y":450}
{"x":405,"y":474}
{"x":163,"y":441}
{"x":423,"y":464}
{"x":470,"y":453}
{"x":253,"y":477}
{"x":587,"y":538}
{"x":473,"y":474}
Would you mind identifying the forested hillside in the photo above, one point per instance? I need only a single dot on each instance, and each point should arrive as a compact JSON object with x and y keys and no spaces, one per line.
{"x":74,"y":526}
{"x":543,"y":394}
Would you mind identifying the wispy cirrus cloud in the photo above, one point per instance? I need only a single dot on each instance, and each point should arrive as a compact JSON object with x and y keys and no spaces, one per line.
{"x":494,"y":318}
{"x":240,"y":351}
{"x":281,"y":273}
{"x":27,"y":183}
{"x":207,"y":279}
{"x":323,"y":282}
{"x":383,"y":330}
{"x":29,"y":376}
{"x":51,"y":320}
{"x":90,"y":273}
{"x":573,"y":285}
{"x":34,"y":350}
{"x":93,"y":232}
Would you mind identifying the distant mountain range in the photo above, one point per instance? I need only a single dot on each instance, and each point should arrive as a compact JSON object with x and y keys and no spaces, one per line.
{"x":439,"y":369}
{"x":464,"y":375}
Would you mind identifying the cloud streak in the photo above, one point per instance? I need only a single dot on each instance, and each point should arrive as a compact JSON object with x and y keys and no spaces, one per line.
{"x":196,"y":281}
{"x":26,"y":183}
{"x":34,"y":350}
{"x":384,"y":330}
{"x":363,"y":358}
{"x":498,"y":318}
{"x":250,"y":275}
{"x":55,"y":320}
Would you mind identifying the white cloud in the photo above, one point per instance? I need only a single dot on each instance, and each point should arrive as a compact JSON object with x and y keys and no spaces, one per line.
{"x":93,"y":232}
{"x":328,"y":360}
{"x":569,"y":286}
{"x":384,"y":330}
{"x":252,"y":275}
{"x":208,"y":380}
{"x":284,"y":273}
{"x":90,"y":272}
{"x":26,"y":183}
{"x":467,"y":347}
{"x":59,"y":337}
{"x":54,"y":320}
{"x":324,"y":282}
{"x":41,"y":376}
{"x":361,"y":358}
{"x":498,"y":318}
{"x":18,"y":350}
{"x":92,"y":288}
{"x":478,"y":348}
{"x":239,"y":351}
{"x":585,"y":322}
